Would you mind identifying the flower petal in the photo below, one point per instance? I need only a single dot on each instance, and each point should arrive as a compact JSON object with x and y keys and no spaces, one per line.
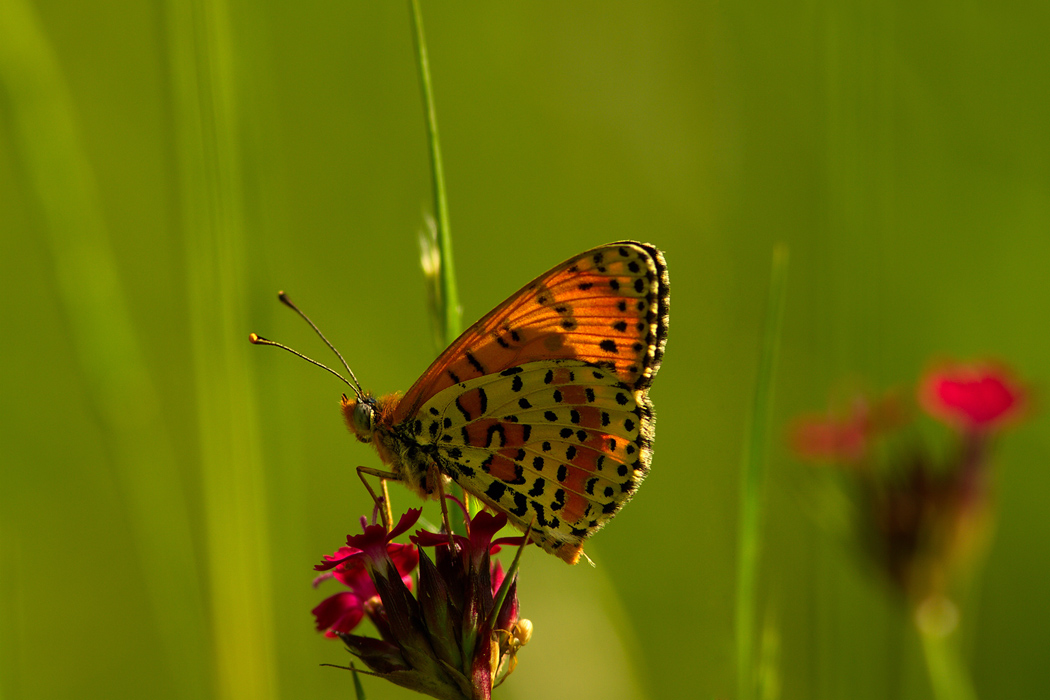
{"x":407,"y":520}
{"x":341,"y":612}
{"x":974,"y":397}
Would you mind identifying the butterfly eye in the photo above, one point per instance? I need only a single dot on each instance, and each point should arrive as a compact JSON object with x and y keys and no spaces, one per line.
{"x":364,"y":416}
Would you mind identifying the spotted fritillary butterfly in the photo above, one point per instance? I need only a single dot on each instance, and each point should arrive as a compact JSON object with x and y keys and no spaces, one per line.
{"x":541,"y":408}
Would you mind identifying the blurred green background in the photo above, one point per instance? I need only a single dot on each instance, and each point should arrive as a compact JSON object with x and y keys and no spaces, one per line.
{"x":165,"y":168}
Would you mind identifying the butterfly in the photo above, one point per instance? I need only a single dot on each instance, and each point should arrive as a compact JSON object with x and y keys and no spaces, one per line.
{"x":541,"y":408}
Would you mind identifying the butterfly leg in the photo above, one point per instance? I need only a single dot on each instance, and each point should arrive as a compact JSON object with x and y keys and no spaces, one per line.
{"x":382,"y":502}
{"x":434,"y":476}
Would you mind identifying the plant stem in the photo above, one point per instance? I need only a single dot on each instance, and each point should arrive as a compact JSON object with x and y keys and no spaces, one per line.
{"x":206,"y":95}
{"x":50,"y":157}
{"x":948,"y":678}
{"x":752,"y":474}
{"x":447,"y":298}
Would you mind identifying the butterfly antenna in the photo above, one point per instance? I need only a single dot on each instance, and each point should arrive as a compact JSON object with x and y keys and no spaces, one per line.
{"x":255,"y":339}
{"x":288,"y":302}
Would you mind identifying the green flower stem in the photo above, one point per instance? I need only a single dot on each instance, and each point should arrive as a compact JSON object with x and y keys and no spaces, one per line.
{"x":948,"y":678}
{"x":752,"y":475}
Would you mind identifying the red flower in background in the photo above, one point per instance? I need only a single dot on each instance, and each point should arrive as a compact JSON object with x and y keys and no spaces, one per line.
{"x":845,"y":437}
{"x":978,"y":397}
{"x":921,"y":512}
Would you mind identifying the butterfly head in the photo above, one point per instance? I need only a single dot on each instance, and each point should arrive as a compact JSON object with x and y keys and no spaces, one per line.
{"x":360,"y":416}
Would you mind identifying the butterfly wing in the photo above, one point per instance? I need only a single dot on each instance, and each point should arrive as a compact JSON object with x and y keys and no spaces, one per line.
{"x":540,"y":409}
{"x":607,"y":306}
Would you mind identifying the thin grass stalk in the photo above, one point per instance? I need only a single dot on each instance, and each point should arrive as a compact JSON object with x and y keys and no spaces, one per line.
{"x":104,"y":342}
{"x":752,"y":478}
{"x":206,"y":118}
{"x":446,"y":298}
{"x":359,"y":689}
{"x":451,"y":317}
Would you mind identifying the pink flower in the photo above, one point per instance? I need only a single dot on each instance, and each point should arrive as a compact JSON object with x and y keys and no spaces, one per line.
{"x":343,"y":611}
{"x":351,"y":566}
{"x":977,"y":398}
{"x":921,"y":513}
{"x":475,"y":628}
{"x":478,"y":542}
{"x":845,"y":438}
{"x":373,"y":546}
{"x":458,"y":636}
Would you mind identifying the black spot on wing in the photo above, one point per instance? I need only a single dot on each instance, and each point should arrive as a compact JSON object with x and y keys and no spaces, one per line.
{"x":521,"y":505}
{"x":474,"y":363}
{"x":495,"y":429}
{"x":496,"y":490}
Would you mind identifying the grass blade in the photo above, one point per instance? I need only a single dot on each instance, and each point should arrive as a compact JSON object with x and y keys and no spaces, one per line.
{"x":445,"y":298}
{"x":752,"y":477}
{"x":451,"y":320}
{"x":105,"y":344}
{"x":206,"y":118}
